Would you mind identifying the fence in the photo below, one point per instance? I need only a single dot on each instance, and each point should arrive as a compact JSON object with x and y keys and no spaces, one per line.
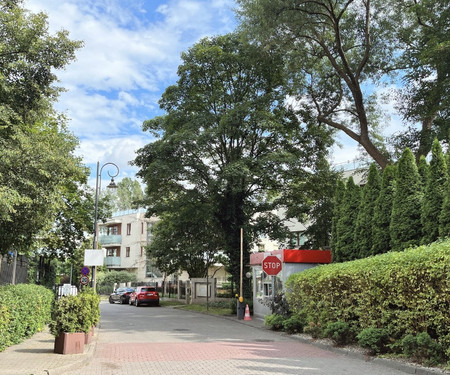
{"x":7,"y":269}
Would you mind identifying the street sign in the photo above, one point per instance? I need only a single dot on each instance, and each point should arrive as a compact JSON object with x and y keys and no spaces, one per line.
{"x":84,"y":280}
{"x":271,"y":265}
{"x":85,"y":271}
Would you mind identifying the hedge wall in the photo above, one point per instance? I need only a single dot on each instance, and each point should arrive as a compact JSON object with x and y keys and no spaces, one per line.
{"x":405,"y":292}
{"x":24,"y":310}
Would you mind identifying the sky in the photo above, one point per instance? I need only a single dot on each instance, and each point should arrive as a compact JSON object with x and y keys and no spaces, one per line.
{"x":130,"y":56}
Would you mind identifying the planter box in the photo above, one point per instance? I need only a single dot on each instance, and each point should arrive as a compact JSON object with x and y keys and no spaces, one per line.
{"x":69,"y":343}
{"x":88,"y":336}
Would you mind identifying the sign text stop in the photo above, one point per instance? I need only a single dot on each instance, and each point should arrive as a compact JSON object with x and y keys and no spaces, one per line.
{"x":271,"y":265}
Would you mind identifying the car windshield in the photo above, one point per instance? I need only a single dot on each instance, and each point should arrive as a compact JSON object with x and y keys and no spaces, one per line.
{"x":148,"y":290}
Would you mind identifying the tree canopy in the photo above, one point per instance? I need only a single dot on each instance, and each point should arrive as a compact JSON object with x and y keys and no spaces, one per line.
{"x":227,"y":141}
{"x":338,"y":52}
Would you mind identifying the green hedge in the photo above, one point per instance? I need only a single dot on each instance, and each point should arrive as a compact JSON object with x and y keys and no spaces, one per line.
{"x":405,"y":293}
{"x":24,"y":310}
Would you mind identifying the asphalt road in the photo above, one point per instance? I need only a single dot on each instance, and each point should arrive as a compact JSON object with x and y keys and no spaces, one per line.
{"x":157,"y":340}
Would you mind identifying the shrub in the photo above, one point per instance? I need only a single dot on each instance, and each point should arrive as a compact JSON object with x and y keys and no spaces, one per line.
{"x":403,"y":292}
{"x":314,"y":329}
{"x":374,"y":339}
{"x":24,"y":310}
{"x":422,"y":348}
{"x":340,"y":332}
{"x":294,"y":324}
{"x":274,"y":322}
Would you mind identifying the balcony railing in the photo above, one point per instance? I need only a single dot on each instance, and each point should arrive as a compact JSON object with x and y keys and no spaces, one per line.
{"x":110,"y":239}
{"x":112,"y":261}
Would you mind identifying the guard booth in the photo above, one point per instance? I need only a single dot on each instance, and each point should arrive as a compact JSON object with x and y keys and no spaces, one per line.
{"x":270,"y":275}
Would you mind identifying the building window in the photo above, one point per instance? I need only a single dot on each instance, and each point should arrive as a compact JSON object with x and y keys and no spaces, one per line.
{"x":261,"y":247}
{"x":127,"y":251}
{"x":128,"y":229}
{"x":113,"y":252}
{"x":113,"y":230}
{"x":142,"y":228}
{"x":142,"y":251}
{"x":298,"y":239}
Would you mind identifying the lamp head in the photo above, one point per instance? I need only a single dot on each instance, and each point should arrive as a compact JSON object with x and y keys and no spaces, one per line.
{"x":112,"y":184}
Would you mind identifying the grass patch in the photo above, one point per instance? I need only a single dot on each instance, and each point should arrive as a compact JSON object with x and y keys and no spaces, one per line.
{"x":212,"y":309}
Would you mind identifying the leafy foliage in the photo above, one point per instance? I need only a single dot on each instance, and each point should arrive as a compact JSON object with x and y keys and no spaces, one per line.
{"x":227,"y":143}
{"x":444,"y":218}
{"x":402,"y":292}
{"x":405,"y":227}
{"x":382,"y":212}
{"x":374,"y":339}
{"x":434,"y":195}
{"x":24,"y":310}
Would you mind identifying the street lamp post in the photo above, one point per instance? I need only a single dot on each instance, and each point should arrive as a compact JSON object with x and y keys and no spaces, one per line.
{"x":98,"y":186}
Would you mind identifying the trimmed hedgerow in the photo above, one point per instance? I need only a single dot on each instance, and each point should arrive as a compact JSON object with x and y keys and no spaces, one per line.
{"x":24,"y":310}
{"x":402,"y":292}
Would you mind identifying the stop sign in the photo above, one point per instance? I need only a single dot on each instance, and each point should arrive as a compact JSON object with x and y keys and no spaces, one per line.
{"x":271,"y":265}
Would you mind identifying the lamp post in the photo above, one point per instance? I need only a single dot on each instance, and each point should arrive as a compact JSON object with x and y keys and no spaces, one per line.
{"x":98,"y":186}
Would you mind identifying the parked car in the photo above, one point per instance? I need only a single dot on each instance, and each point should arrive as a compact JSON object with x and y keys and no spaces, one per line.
{"x":121,"y":295}
{"x":144,"y":295}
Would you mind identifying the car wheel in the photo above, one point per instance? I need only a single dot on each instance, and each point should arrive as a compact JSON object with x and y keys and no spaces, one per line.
{"x":130,"y":302}
{"x":136,"y":302}
{"x":111,"y":300}
{"x":122,"y":300}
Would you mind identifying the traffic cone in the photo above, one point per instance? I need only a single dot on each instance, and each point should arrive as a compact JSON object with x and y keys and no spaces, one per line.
{"x":247,"y":313}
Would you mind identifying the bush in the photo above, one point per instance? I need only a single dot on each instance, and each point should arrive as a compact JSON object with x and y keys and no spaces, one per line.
{"x":294,"y":324}
{"x":75,"y":313}
{"x":340,"y":332}
{"x":374,"y":339}
{"x":274,"y":321}
{"x":24,"y":310}
{"x":403,"y":292}
{"x":423,"y":349}
{"x":314,"y":329}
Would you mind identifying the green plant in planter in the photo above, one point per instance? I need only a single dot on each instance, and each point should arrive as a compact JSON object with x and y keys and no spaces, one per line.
{"x":69,"y":316}
{"x":91,"y":303}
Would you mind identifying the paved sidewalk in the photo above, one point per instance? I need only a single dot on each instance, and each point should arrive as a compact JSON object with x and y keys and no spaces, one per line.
{"x":35,"y":356}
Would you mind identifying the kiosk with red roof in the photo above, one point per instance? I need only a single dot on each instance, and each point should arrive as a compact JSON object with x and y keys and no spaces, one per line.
{"x":270,"y":270}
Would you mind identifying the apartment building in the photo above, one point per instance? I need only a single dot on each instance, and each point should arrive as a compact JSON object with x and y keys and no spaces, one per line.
{"x":124,"y":236}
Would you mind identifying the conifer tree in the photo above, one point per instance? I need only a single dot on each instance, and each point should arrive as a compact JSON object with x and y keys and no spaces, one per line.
{"x":337,"y":207}
{"x":363,"y":231}
{"x":406,"y":228}
{"x":444,"y":218}
{"x":347,"y":220}
{"x":382,"y":214}
{"x":424,"y":170}
{"x":433,"y":198}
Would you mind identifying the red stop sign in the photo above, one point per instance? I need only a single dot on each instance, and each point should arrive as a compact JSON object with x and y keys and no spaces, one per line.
{"x":271,"y":265}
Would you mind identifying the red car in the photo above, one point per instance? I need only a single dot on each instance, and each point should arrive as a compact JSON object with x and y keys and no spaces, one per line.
{"x":144,"y":295}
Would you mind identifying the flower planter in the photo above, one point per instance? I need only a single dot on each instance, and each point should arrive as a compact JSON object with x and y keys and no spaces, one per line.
{"x":69,"y":343}
{"x":88,"y":336}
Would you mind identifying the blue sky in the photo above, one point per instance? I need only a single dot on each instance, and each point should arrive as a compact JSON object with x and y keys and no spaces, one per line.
{"x":130,"y":56}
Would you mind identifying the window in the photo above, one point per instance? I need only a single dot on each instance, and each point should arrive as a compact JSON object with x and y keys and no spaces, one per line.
{"x":113,"y":230}
{"x":261,"y":247}
{"x":142,"y":251}
{"x":142,"y":228}
{"x":113,"y":252}
{"x":128,"y":229}
{"x":127,"y":252}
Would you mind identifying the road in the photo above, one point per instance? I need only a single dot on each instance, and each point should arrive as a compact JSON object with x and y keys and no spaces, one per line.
{"x":157,"y":340}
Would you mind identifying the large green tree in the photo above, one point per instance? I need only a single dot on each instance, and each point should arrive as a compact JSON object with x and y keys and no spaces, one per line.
{"x":434,"y":195}
{"x":337,"y":50}
{"x":29,"y":58}
{"x":334,"y":49}
{"x":338,"y":198}
{"x":405,"y":227}
{"x":37,"y":161}
{"x":426,"y":59}
{"x":228,"y":139}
